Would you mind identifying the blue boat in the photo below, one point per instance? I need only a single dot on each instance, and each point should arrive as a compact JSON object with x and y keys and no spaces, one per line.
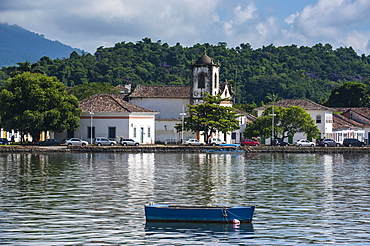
{"x":230,"y":145}
{"x":225,"y":151}
{"x":215,"y":214}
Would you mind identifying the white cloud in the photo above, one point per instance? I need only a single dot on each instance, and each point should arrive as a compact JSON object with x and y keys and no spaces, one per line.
{"x":290,"y":20}
{"x":88,"y":24}
{"x":80,"y":23}
{"x":243,"y":15}
{"x":333,"y":21}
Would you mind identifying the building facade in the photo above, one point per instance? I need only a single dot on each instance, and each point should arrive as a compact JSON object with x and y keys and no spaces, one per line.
{"x":109,"y":115}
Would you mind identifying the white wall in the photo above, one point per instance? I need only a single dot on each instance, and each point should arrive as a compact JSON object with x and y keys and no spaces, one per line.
{"x":126,"y":125}
{"x":168,"y":108}
{"x":326,"y":125}
{"x":165,"y":129}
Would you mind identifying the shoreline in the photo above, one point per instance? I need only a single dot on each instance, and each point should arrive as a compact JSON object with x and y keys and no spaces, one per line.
{"x":178,"y":148}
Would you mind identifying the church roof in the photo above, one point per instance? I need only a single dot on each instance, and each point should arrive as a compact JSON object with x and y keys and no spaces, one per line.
{"x":109,"y":102}
{"x":150,"y":91}
{"x":303,"y":103}
{"x":204,"y":60}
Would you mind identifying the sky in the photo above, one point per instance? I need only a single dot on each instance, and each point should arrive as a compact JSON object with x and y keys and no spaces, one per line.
{"x":89,"y":24}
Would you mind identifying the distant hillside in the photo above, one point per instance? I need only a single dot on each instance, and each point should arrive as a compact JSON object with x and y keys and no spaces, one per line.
{"x":19,"y":45}
{"x":287,"y":71}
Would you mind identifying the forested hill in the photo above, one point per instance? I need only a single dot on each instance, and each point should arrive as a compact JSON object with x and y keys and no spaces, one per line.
{"x":18,"y":45}
{"x":289,"y":71}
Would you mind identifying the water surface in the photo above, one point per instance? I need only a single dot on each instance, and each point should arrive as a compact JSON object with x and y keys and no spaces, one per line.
{"x":98,"y":198}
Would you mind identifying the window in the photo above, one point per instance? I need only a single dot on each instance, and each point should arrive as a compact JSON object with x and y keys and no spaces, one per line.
{"x":201,"y":81}
{"x":148,"y":132}
{"x":318,"y":118}
{"x":329,"y":119}
{"x":112,"y":132}
{"x":215,"y":82}
{"x":90,"y":131}
{"x":134,"y":132}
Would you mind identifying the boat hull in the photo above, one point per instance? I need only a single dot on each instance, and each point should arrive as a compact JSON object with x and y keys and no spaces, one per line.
{"x":238,"y":152}
{"x":159,"y":212}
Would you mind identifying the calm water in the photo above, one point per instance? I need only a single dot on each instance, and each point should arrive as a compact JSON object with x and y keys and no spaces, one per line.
{"x":98,"y":199}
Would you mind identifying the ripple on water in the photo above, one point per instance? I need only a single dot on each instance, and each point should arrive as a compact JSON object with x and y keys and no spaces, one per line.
{"x":98,"y":199}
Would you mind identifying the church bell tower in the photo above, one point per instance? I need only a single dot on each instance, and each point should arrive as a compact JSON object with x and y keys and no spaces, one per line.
{"x":204,"y":78}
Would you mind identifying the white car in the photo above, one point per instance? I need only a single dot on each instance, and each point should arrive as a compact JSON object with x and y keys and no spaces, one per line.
{"x":76,"y":141}
{"x":215,"y":141}
{"x":194,"y":142}
{"x":304,"y":143}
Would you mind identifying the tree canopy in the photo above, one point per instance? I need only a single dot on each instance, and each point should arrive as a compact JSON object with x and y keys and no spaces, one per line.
{"x":210,"y":117}
{"x":289,"y":71}
{"x":31,"y":103}
{"x":350,"y":94}
{"x":83,"y":91}
{"x":287,"y":122}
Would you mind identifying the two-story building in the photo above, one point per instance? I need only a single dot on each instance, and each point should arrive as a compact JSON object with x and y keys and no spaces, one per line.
{"x":321,"y":115}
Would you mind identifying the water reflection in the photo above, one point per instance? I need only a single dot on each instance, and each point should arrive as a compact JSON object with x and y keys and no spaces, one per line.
{"x":202,"y":232}
{"x":98,"y":198}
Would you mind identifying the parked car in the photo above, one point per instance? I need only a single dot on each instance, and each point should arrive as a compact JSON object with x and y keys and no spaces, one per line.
{"x":49,"y":142}
{"x":215,"y":141}
{"x":249,"y":142}
{"x":279,"y":142}
{"x":4,"y":141}
{"x":76,"y":141}
{"x":328,"y":142}
{"x":304,"y":143}
{"x":350,"y":142}
{"x":104,"y":141}
{"x":194,"y":142}
{"x":128,"y":142}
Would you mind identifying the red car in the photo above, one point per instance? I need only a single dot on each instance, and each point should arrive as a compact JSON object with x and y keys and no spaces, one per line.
{"x":249,"y":142}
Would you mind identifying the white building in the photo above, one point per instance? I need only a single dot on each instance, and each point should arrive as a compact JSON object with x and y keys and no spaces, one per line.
{"x":171,"y":101}
{"x":321,"y":115}
{"x":109,"y":115}
{"x":352,"y":123}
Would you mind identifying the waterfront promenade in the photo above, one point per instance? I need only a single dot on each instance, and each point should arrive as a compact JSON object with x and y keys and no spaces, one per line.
{"x":179,"y":148}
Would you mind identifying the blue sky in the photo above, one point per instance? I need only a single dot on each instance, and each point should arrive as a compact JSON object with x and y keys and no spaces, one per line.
{"x":89,"y":24}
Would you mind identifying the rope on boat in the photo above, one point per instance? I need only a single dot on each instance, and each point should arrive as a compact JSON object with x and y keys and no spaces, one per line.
{"x":224,"y":213}
{"x":237,"y":216}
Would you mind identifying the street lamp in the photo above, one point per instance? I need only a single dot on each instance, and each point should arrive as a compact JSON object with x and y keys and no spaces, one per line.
{"x":182,"y":123}
{"x":182,"y":126}
{"x":91,"y":127}
{"x":273,"y":115}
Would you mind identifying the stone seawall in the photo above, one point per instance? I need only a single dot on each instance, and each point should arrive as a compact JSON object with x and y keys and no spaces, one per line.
{"x":181,"y":149}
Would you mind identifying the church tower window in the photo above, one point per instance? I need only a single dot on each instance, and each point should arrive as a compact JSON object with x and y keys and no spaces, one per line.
{"x":201,"y":81}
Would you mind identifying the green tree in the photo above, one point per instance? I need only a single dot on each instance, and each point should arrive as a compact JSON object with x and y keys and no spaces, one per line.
{"x":350,"y":94}
{"x":83,"y":91}
{"x":26,"y":67}
{"x":31,"y":103}
{"x":209,"y":117}
{"x":287,"y":122}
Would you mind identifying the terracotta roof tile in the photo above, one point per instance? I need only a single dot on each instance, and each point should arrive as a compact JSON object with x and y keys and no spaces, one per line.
{"x":363,"y":111}
{"x":342,"y":122}
{"x":303,"y":103}
{"x":161,"y":91}
{"x":109,"y":102}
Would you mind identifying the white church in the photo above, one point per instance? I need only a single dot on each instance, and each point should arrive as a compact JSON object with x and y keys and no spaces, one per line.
{"x":151,"y":113}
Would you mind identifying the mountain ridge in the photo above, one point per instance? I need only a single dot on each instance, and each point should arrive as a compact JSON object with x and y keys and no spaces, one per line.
{"x":19,"y":45}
